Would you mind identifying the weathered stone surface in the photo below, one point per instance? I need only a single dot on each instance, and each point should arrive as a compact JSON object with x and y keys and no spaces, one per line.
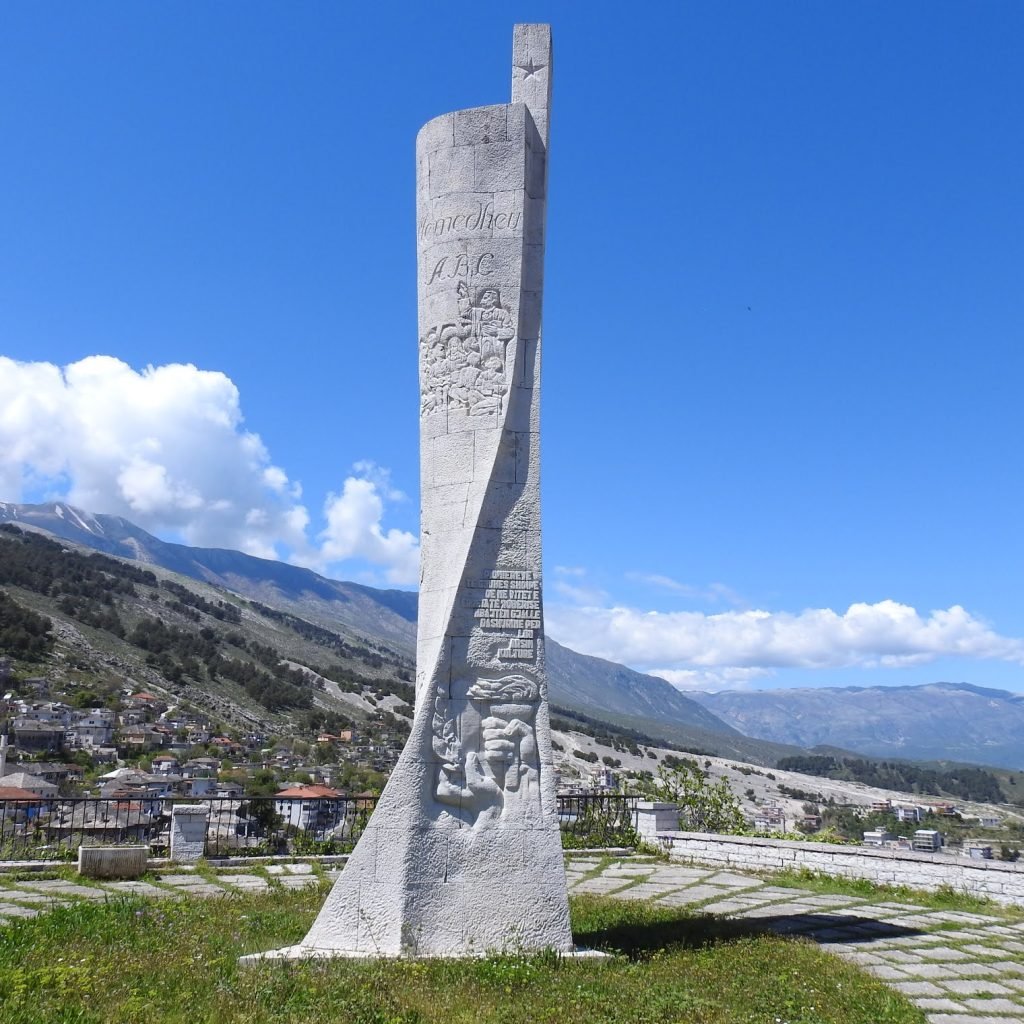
{"x":9,"y":910}
{"x":463,"y":853}
{"x":112,"y":861}
{"x":990,"y":1006}
{"x":188,"y":832}
{"x":973,"y":988}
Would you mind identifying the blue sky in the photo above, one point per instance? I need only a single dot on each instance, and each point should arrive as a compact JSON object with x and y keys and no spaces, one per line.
{"x":783,"y":316}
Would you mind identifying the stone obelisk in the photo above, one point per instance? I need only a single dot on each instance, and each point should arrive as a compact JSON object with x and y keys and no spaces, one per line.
{"x":463,"y":854}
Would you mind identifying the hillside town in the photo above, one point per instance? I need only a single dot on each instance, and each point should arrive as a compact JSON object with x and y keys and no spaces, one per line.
{"x":136,"y":759}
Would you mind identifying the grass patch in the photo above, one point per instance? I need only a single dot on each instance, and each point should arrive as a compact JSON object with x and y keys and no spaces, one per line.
{"x":64,"y":873}
{"x":136,"y":961}
{"x":944,"y":898}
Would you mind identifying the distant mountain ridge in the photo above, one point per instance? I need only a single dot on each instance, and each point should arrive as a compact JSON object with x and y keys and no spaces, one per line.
{"x":388,"y":615}
{"x":931,"y":721}
{"x":936,"y":721}
{"x":576,"y":681}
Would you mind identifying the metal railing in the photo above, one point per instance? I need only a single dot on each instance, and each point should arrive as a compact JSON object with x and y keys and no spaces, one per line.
{"x":52,"y":829}
{"x":594,"y":820}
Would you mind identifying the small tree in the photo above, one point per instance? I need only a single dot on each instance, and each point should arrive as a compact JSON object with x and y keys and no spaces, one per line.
{"x":704,"y":806}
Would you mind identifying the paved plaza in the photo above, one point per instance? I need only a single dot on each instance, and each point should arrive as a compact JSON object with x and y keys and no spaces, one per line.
{"x":960,"y":968}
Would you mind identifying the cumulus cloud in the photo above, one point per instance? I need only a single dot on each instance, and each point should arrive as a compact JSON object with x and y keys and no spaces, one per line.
{"x":166,"y":448}
{"x":354,"y":531}
{"x":694,"y":648}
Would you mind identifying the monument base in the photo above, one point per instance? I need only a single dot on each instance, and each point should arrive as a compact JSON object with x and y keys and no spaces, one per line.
{"x":301,"y":952}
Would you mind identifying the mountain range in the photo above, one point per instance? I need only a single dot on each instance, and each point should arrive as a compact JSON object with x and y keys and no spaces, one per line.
{"x":576,"y":682}
{"x":938,"y":721}
{"x":934,"y":721}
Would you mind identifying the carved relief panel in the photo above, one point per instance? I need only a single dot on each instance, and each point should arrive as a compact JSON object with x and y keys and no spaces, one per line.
{"x":463,"y":361}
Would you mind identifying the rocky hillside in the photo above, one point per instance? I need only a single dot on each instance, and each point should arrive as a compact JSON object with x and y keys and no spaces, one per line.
{"x":385,"y":619}
{"x":380,"y":615}
{"x":110,"y":625}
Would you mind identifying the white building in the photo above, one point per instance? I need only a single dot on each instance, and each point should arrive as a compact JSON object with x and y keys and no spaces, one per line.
{"x":926,"y":840}
{"x":311,"y":808}
{"x":878,"y":837}
{"x":94,"y":728}
{"x":908,"y":813}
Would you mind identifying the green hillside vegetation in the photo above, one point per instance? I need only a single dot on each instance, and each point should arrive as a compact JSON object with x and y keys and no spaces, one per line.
{"x":689,"y":738}
{"x":249,"y":665}
{"x":203,"y":646}
{"x":959,"y":781}
{"x":23,"y":633}
{"x":1006,"y":842}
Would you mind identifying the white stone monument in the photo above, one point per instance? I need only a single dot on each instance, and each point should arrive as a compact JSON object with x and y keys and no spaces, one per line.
{"x":463,"y":854}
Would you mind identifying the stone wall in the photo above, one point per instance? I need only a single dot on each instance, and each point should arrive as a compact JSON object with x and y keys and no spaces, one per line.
{"x":997,"y":880}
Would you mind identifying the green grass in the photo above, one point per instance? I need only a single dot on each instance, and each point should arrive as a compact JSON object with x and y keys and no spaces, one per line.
{"x":944,"y":898}
{"x":134,"y":961}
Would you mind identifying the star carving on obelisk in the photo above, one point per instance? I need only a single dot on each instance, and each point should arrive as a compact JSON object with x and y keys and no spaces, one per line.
{"x":529,"y":68}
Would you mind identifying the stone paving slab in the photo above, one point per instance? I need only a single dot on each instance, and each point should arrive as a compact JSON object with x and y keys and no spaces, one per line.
{"x":831,"y":901}
{"x":967,"y":1018}
{"x":966,"y":987}
{"x":694,"y":894}
{"x":973,"y":970}
{"x":25,"y":897}
{"x":9,"y":910}
{"x":298,"y":882}
{"x":738,"y":881}
{"x":601,"y":886}
{"x":196,"y":889}
{"x":625,"y":868}
{"x":917,"y":988}
{"x":940,"y":971}
{"x":135,"y":889}
{"x":899,"y":956}
{"x":647,"y":891}
{"x":992,"y":1006}
{"x":723,"y":907}
{"x":56,"y":887}
{"x":253,"y":883}
{"x":1008,"y":966}
{"x":944,"y":953}
{"x":926,"y":1003}
{"x":887,"y":972}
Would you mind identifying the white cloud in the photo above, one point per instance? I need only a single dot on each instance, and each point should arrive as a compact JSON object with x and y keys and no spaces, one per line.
{"x":381,"y":479}
{"x":354,"y":531}
{"x":715,"y":593}
{"x":167,"y":449}
{"x":686,"y":647}
{"x":578,"y":594}
{"x":570,"y":570}
{"x":711,"y":679}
